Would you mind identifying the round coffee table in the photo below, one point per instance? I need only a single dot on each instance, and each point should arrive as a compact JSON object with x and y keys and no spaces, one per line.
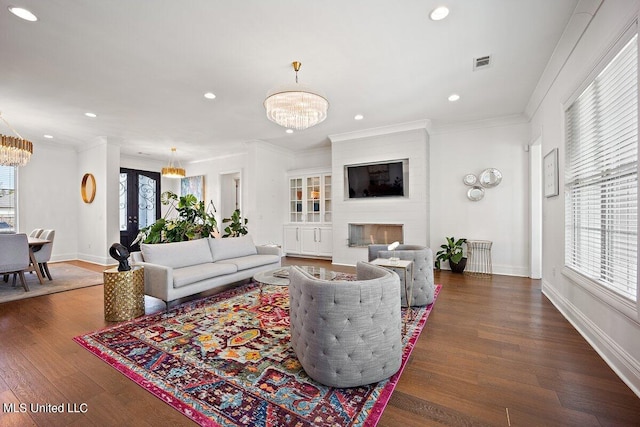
{"x":280,"y":276}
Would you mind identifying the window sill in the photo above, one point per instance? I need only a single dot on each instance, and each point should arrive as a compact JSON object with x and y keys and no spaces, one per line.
{"x":615,"y":301}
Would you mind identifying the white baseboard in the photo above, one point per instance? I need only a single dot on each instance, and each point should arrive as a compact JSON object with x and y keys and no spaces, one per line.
{"x":95,"y":259}
{"x":622,"y":363}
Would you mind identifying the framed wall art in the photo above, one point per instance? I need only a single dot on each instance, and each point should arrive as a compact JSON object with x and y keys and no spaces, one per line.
{"x":193,"y":185}
{"x":550,"y":171}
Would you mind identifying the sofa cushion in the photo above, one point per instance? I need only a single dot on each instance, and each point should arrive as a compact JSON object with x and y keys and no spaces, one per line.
{"x":187,"y":275}
{"x":232,"y":247}
{"x":251,"y":261}
{"x":177,"y":254}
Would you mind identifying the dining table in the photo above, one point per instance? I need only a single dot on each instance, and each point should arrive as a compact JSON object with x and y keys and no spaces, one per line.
{"x":34,"y":243}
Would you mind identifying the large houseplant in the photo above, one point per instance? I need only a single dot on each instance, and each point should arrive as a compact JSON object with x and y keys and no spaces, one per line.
{"x":238,"y":226}
{"x":454,"y":253}
{"x":194,"y":221}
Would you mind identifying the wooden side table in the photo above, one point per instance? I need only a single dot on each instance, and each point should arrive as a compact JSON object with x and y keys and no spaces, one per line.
{"x":123,"y":294}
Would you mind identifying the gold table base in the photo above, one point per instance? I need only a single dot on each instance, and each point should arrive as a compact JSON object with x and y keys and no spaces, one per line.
{"x":123,"y":294}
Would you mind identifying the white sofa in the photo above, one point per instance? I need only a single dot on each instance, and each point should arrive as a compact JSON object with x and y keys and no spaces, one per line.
{"x":176,"y":270}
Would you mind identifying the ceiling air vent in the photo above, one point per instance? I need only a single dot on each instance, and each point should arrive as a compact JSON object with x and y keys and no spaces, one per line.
{"x":481,"y":62}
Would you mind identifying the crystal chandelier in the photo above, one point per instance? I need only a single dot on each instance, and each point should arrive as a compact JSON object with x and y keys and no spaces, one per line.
{"x":173,"y":171}
{"x":14,"y":151}
{"x":296,"y":106}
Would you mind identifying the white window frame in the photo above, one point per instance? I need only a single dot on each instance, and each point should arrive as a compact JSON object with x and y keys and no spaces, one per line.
{"x":15,"y":199}
{"x":603,"y":293}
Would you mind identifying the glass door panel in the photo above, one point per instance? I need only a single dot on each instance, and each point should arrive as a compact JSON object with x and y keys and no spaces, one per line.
{"x":139,"y":203}
{"x":313,"y":199}
{"x":295,"y":197}
{"x":147,"y":201}
{"x":327,"y":198}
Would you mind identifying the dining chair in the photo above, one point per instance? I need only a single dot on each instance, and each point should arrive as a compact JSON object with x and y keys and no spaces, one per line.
{"x":44,"y":254}
{"x":14,"y":256}
{"x":36,"y":232}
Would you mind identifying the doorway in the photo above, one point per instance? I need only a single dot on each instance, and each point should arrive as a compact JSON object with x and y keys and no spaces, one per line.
{"x":230,"y":194}
{"x":139,"y":203}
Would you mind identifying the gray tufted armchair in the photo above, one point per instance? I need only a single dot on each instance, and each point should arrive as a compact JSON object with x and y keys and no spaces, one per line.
{"x":422,"y":257}
{"x":347,"y":333}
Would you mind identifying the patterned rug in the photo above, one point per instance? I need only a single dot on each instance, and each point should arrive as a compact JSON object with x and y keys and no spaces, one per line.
{"x":226,"y":361}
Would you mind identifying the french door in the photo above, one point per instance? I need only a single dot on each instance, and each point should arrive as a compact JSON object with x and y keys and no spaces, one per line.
{"x":139,"y":203}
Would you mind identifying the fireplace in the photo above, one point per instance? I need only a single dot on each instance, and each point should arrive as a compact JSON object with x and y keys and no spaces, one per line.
{"x":362,"y":235}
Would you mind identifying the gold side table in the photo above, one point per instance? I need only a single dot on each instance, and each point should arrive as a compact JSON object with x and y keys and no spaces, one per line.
{"x":123,"y":294}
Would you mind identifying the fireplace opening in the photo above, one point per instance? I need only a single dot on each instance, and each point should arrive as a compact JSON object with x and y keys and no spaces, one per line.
{"x":363,"y":235}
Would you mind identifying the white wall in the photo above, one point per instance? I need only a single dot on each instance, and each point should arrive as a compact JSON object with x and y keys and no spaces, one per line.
{"x":267,"y":199}
{"x":212,"y":169}
{"x":319,"y":158}
{"x":413,"y":212}
{"x":98,"y":222}
{"x":48,"y":196}
{"x":262,"y":169}
{"x":612,"y":328}
{"x":502,"y":215}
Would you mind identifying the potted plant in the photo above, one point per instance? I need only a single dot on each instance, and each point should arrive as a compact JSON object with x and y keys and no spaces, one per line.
{"x":193,"y":221}
{"x":453,"y":253}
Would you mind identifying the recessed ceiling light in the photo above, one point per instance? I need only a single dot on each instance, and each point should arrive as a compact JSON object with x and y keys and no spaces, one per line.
{"x":210,"y":95}
{"x":92,"y":115}
{"x":454,"y":97}
{"x":439,"y":13}
{"x":48,"y":136}
{"x":358,"y":117}
{"x":23,"y":13}
{"x":289,"y":131}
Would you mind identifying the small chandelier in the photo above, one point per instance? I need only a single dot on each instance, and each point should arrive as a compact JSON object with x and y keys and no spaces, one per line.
{"x":14,"y":151}
{"x":172,"y":171}
{"x":296,"y":106}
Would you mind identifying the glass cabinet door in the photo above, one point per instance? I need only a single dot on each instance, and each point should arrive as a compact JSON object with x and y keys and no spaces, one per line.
{"x":327,"y":197}
{"x":313,"y":199}
{"x":295,"y":197}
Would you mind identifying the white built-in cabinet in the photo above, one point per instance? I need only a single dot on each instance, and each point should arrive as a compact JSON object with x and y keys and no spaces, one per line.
{"x":309,"y":231}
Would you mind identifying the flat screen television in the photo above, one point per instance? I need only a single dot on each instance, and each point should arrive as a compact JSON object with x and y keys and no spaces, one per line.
{"x":380,"y":179}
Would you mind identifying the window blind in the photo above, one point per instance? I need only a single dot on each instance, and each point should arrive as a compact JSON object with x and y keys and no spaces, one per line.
{"x":7,"y":199}
{"x":601,"y":177}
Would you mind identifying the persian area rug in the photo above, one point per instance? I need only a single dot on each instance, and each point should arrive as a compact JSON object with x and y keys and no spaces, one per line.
{"x":226,"y":361}
{"x":65,"y":277}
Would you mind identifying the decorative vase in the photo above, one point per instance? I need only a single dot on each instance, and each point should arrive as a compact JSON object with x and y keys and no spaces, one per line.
{"x":459,"y":267}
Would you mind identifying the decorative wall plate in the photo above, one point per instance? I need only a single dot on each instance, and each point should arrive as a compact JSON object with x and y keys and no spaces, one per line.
{"x":88,"y":188}
{"x":470,"y":179}
{"x":475,"y":193}
{"x":490,"y":177}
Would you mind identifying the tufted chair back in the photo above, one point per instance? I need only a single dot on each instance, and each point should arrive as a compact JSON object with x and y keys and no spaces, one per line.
{"x":347,"y":333}
{"x":422,"y":257}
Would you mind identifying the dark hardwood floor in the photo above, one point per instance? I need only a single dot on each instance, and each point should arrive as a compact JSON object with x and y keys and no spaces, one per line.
{"x":494,"y":352}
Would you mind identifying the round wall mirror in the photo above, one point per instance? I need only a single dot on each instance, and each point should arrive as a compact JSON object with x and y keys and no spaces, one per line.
{"x":475,"y":193}
{"x":470,"y":179}
{"x":490,"y":178}
{"x":88,"y":188}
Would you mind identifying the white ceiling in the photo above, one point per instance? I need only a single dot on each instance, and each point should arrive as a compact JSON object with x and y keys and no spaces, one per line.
{"x":143,"y":66}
